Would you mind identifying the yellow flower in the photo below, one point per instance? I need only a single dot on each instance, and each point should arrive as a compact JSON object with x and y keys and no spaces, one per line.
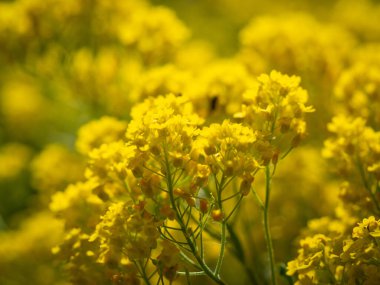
{"x":289,"y":43}
{"x":217,"y":90}
{"x":78,"y":205}
{"x":352,"y":140}
{"x":228,"y":148}
{"x":155,"y":32}
{"x":44,"y":167}
{"x":310,"y":257}
{"x":14,"y":158}
{"x":358,"y":89}
{"x":126,"y":231}
{"x":95,"y":133}
{"x":369,"y":226}
{"x":276,"y":109}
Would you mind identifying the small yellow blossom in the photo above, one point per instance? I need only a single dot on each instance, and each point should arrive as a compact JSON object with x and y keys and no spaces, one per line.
{"x":228,"y":148}
{"x":96,"y":133}
{"x":126,"y":231}
{"x":13,"y":160}
{"x":45,"y":165}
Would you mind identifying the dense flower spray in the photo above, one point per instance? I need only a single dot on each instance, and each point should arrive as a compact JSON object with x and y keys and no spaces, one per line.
{"x":172,"y":180}
{"x":137,"y":149}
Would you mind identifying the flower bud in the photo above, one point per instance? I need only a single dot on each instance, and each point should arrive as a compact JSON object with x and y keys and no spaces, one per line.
{"x":217,"y":215}
{"x":203,"y":205}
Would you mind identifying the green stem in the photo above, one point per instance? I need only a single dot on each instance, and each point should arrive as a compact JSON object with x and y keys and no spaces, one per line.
{"x":223,"y":241}
{"x":181,"y":223}
{"x":286,"y":153}
{"x":189,"y":260}
{"x":201,"y":236}
{"x":141,"y":269}
{"x":237,"y":205}
{"x":258,"y":199}
{"x":199,"y":273}
{"x":223,"y":236}
{"x":188,"y":277}
{"x":268,"y":237}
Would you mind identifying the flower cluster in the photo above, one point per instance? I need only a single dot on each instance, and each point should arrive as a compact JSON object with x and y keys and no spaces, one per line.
{"x":94,"y":134}
{"x":318,"y":56}
{"x":350,"y":258}
{"x":358,"y":89}
{"x":277,"y":107}
{"x":228,"y":151}
{"x":44,"y":167}
{"x":151,"y":183}
{"x":125,"y":231}
{"x":355,"y":148}
{"x":135,"y":151}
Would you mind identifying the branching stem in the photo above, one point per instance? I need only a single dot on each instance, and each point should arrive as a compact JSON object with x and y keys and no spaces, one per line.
{"x":268,"y":237}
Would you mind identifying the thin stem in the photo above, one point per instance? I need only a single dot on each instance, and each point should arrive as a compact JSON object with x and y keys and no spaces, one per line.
{"x":188,"y":277}
{"x":223,"y":241}
{"x":189,"y":260}
{"x":184,"y":211}
{"x":171,"y":228}
{"x":153,"y":171}
{"x":286,"y":153}
{"x":179,"y":177}
{"x":230,"y":197}
{"x":211,"y":233}
{"x":160,"y":279}
{"x":258,"y":199}
{"x":201,"y":235}
{"x":199,"y":273}
{"x":142,"y":272}
{"x":268,"y":237}
{"x":152,"y":274}
{"x":173,"y":240}
{"x":223,"y":235}
{"x":188,"y":217}
{"x":235,"y":208}
{"x":180,"y":221}
{"x":225,"y":184}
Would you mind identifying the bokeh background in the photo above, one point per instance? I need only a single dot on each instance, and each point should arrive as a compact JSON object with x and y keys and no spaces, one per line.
{"x":64,"y":63}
